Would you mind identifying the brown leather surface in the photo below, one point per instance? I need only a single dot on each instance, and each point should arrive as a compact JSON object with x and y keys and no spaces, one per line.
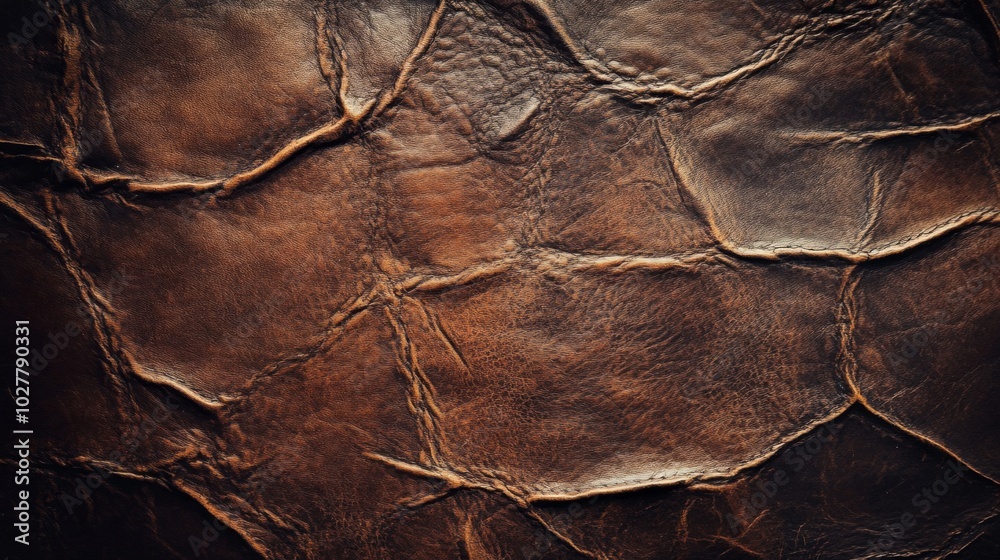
{"x":506,"y":279}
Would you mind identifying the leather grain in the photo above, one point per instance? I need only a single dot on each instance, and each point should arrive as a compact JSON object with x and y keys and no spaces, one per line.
{"x":507,"y":279}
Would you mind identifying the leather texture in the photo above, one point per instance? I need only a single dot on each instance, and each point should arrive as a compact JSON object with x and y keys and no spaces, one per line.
{"x":507,"y":279}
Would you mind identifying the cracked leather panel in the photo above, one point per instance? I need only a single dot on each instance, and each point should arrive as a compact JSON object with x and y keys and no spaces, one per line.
{"x":506,"y":279}
{"x":349,"y":407}
{"x":626,"y":196}
{"x":220,"y":259}
{"x":459,"y":153}
{"x":659,"y":42}
{"x":195,"y":89}
{"x":810,"y":160}
{"x":370,"y":41}
{"x":906,"y":367}
{"x":83,"y":396}
{"x":830,"y":483}
{"x":630,"y":400}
